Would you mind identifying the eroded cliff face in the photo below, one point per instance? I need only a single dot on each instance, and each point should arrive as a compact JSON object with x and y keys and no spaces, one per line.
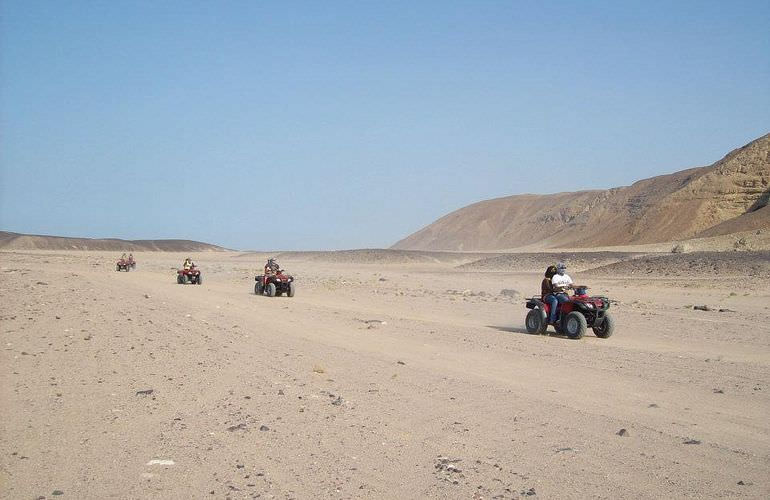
{"x":733,"y":186}
{"x":664,"y":208}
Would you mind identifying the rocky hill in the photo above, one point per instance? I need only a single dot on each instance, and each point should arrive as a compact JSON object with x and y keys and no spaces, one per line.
{"x":727,"y":197}
{"x":16,"y":241}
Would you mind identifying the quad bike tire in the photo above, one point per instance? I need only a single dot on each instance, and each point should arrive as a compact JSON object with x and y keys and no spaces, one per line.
{"x":199,"y":280}
{"x":117,"y":268}
{"x":182,"y":279}
{"x":258,"y":288}
{"x":290,"y":293}
{"x":607,"y":327}
{"x":179,"y":279}
{"x":575,"y":325}
{"x":536,"y":322}
{"x":270,"y":289}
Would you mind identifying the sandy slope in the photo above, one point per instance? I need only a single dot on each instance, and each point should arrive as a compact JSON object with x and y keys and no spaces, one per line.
{"x":728,"y":196}
{"x":448,"y":375}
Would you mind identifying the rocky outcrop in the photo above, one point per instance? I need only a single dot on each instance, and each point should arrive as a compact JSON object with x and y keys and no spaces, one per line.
{"x":690,"y":203}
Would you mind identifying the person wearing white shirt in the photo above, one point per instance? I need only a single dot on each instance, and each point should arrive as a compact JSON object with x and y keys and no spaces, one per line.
{"x":561,"y":283}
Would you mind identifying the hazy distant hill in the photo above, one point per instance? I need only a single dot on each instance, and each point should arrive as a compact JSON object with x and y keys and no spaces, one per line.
{"x":16,"y":241}
{"x":727,"y":197}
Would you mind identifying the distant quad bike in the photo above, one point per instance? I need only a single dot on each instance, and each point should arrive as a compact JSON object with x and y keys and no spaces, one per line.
{"x":574,"y":318}
{"x":192,"y":275}
{"x":274,"y":285}
{"x":124,"y":265}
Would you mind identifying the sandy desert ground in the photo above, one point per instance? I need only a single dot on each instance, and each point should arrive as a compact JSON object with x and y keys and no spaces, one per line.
{"x":384,"y":377}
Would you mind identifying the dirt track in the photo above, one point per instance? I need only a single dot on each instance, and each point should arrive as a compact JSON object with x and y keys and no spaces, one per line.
{"x":448,"y":398}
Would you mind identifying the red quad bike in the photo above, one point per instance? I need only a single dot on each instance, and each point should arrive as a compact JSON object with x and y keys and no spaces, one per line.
{"x":574,"y":317}
{"x":192,"y":275}
{"x":274,"y":284}
{"x":123,"y":265}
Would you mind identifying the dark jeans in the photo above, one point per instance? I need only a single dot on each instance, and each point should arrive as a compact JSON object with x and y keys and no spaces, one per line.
{"x":554,"y":301}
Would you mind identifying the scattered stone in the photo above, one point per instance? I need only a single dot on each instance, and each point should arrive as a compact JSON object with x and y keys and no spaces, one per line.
{"x":56,"y":493}
{"x":653,"y":405}
{"x":692,"y":441}
{"x":264,"y":428}
{"x":530,"y":492}
{"x":146,"y":295}
{"x":318,"y":369}
{"x":337,"y":401}
{"x":701,"y":308}
{"x":401,"y":363}
{"x":160,"y":462}
{"x":510,"y":292}
{"x":41,"y":283}
{"x":145,"y":392}
{"x":448,"y":464}
{"x":383,"y":279}
{"x":718,"y":391}
{"x":623,"y":433}
{"x":725,"y":310}
{"x":373,"y":321}
{"x":239,"y":427}
{"x":280,"y":392}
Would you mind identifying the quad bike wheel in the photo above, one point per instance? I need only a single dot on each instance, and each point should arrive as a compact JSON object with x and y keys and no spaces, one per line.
{"x":182,"y":279}
{"x":271,"y":289}
{"x":290,"y":293}
{"x":575,"y":325}
{"x":258,"y":288}
{"x":199,"y":280}
{"x":117,"y":268}
{"x":536,"y":321}
{"x":607,"y":327}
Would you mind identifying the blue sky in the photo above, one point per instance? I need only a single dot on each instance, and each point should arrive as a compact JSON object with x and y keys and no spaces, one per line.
{"x":323,"y":125}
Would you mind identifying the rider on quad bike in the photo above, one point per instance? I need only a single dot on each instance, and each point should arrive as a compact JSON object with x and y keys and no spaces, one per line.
{"x":560,"y":283}
{"x":271,"y":267}
{"x":189,"y":273}
{"x":568,"y":315}
{"x":274,"y":282}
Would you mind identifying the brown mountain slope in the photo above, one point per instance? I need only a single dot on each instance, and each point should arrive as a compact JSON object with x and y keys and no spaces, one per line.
{"x":665,"y":208}
{"x":16,"y":241}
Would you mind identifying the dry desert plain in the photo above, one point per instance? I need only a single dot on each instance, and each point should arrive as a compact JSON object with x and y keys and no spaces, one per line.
{"x":389,"y":375}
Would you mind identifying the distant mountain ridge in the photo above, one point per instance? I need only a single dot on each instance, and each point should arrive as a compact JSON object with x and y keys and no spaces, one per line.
{"x":726,"y":197}
{"x":18,"y":241}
